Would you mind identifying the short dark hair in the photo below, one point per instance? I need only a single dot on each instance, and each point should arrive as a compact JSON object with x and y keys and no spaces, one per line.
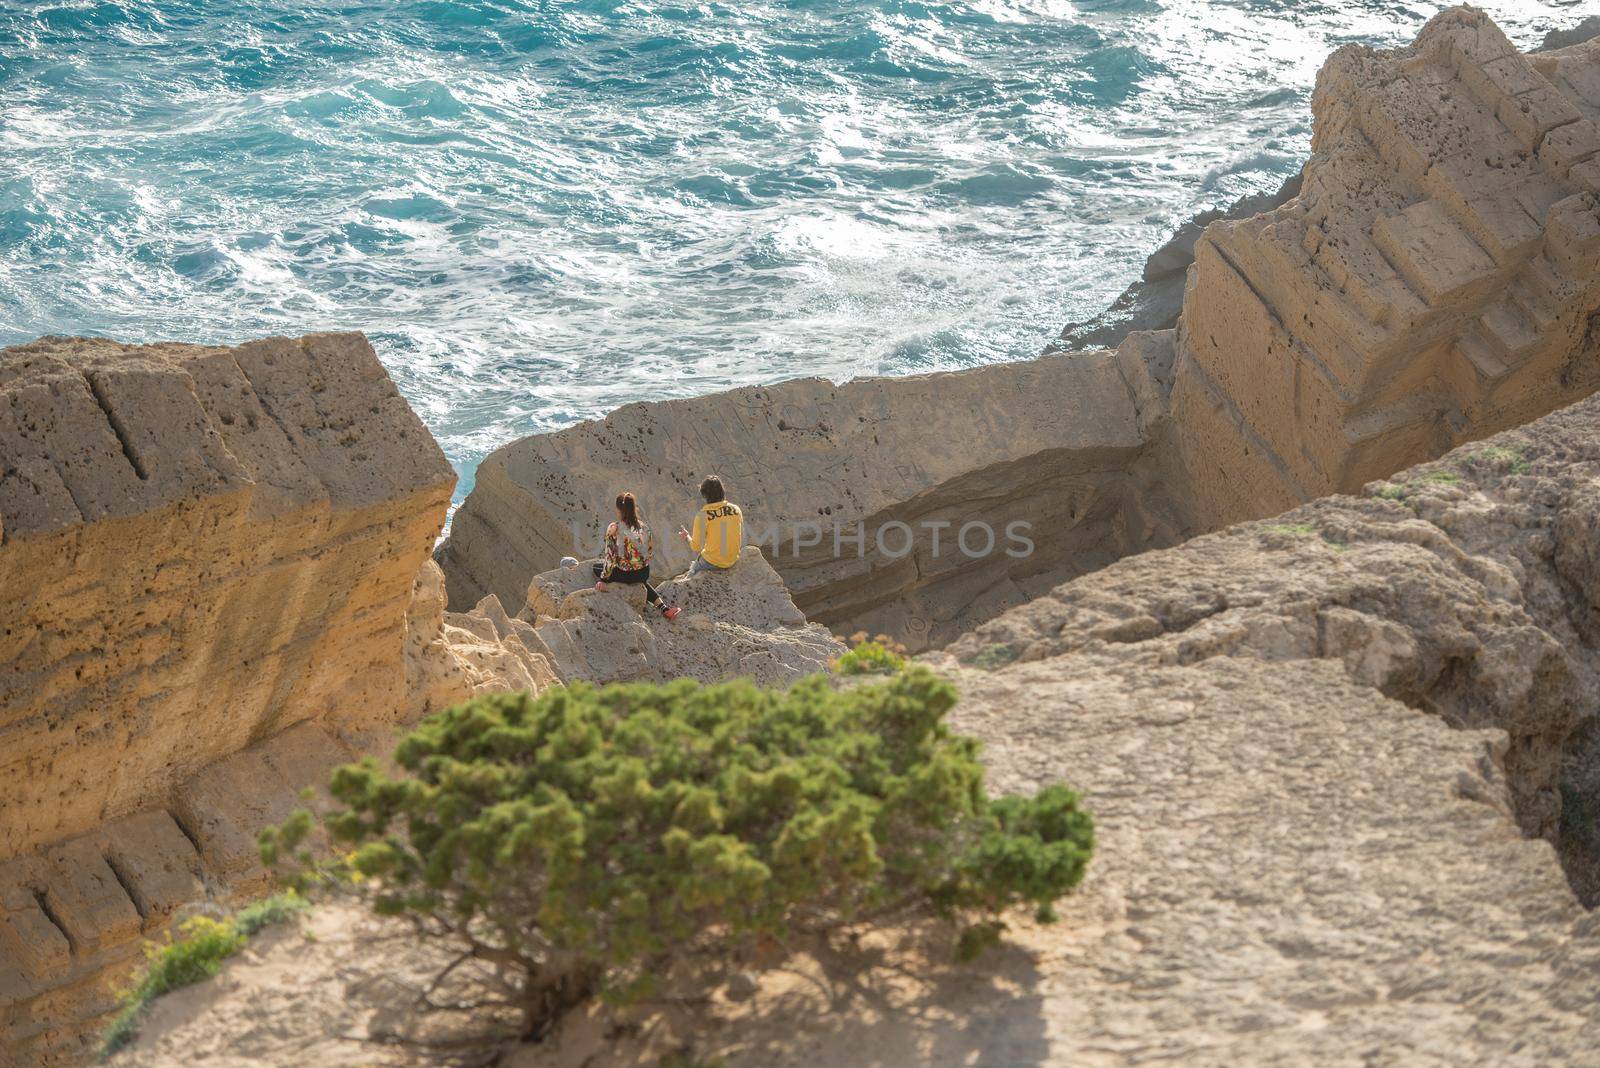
{"x":711,"y":489}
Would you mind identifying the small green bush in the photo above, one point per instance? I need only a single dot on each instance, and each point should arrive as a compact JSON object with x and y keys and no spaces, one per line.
{"x":195,"y":955}
{"x":279,"y":908}
{"x":868,"y":658}
{"x":1494,"y":454}
{"x":585,"y":839}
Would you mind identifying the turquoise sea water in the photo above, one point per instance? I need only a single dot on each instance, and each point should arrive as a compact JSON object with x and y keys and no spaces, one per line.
{"x":541,"y":210}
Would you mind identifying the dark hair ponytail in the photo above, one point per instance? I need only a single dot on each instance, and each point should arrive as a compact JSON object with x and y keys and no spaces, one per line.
{"x":629,"y":509}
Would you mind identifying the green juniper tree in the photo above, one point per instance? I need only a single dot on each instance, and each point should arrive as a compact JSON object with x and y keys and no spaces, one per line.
{"x":583,"y":840}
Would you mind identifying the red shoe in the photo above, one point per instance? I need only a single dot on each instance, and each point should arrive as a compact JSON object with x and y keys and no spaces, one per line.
{"x":672,"y":613}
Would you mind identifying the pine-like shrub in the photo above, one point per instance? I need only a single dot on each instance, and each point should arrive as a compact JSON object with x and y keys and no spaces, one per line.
{"x":585,"y":839}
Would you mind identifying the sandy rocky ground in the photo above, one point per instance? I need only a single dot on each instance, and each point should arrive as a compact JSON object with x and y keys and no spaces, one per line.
{"x":1308,"y":743}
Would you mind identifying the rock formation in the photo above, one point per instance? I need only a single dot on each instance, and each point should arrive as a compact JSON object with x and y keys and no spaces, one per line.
{"x":216,"y":585}
{"x":1436,"y":279}
{"x":1332,"y":758}
{"x":735,"y":624}
{"x":207,"y":561}
{"x":1468,"y":588}
{"x":451,"y":656}
{"x":858,"y":499}
{"x":1155,"y":300}
{"x":202,"y":546}
{"x":1587,"y":30}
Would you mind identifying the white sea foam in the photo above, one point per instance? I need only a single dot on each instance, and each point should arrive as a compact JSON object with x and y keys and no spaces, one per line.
{"x":540,"y":211}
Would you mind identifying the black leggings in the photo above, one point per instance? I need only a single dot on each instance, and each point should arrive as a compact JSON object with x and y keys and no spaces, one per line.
{"x":629,"y":578}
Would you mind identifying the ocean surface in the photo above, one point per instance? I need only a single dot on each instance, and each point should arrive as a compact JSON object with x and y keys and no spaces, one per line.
{"x":541,"y":210}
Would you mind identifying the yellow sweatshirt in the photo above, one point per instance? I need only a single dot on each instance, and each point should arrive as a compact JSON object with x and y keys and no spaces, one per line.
{"x":718,"y":533}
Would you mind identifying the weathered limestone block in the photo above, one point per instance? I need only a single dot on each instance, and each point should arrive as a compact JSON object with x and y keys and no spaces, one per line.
{"x":224,"y":807}
{"x":83,"y":895}
{"x":155,"y":862}
{"x":896,"y":466}
{"x":739,"y":623}
{"x":74,"y":915}
{"x":434,"y":678}
{"x":72,"y":920}
{"x":1435,"y":280}
{"x":451,"y":656}
{"x":202,"y":546}
{"x":34,"y":948}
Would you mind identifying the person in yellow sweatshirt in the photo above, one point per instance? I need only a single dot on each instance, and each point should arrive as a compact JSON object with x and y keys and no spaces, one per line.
{"x":718,"y":534}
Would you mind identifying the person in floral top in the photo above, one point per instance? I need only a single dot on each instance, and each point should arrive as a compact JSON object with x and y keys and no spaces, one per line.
{"x":629,"y":547}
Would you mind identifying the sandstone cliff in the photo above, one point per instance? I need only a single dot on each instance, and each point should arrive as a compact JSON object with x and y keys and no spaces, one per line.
{"x":1436,"y":279}
{"x":1154,"y":301}
{"x":1336,"y":761}
{"x":202,"y":546}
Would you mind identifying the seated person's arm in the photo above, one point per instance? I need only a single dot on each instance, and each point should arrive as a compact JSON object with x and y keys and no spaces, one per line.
{"x":697,"y":540}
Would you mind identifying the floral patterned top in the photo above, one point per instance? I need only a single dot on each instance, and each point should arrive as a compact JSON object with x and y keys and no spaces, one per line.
{"x":628,"y":549}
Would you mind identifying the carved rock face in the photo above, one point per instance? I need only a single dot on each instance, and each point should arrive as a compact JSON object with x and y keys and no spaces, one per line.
{"x":1432,"y":283}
